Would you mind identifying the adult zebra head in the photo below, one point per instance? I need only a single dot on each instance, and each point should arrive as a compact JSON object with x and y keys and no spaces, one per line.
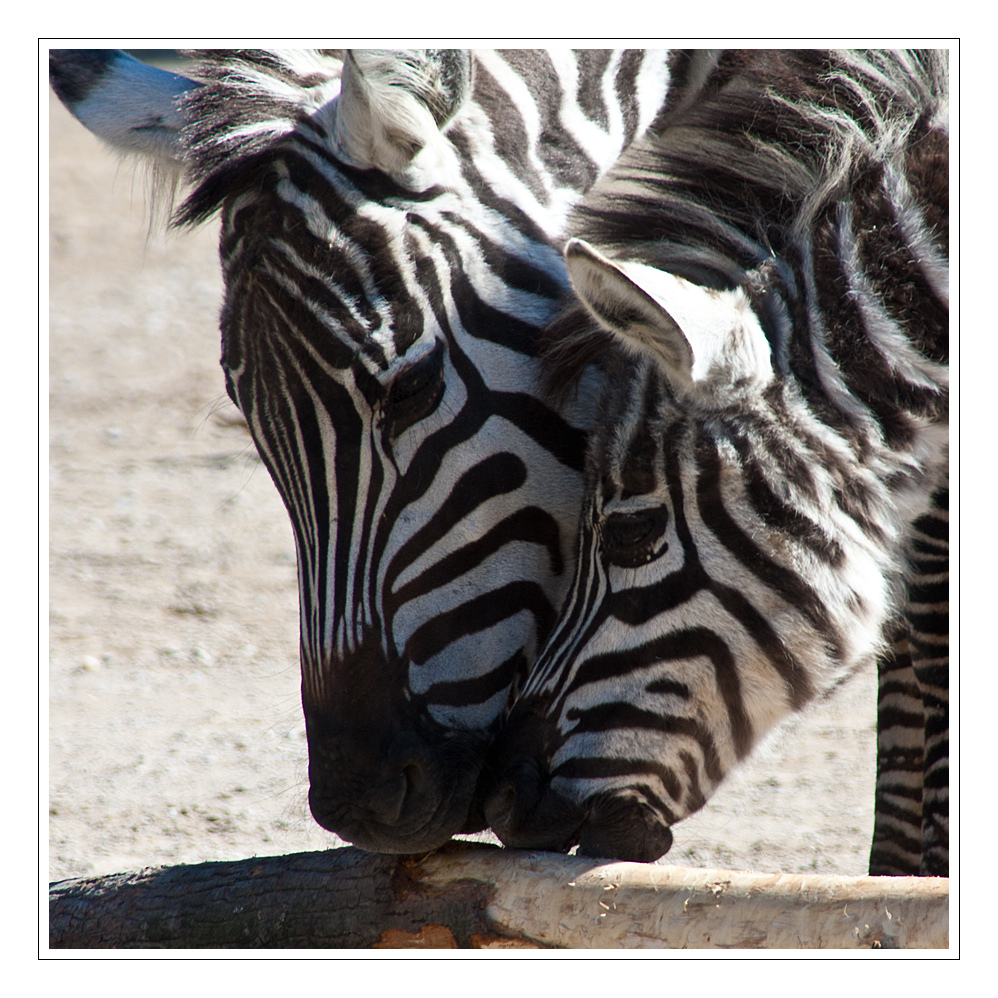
{"x":387,"y":241}
{"x":774,"y":417}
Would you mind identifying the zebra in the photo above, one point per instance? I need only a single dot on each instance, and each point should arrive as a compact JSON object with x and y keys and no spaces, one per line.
{"x":391,"y":224}
{"x":765,"y":284}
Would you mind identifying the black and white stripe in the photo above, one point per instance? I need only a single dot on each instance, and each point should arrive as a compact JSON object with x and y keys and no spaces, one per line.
{"x":765,"y":489}
{"x":911,"y":830}
{"x":391,"y":224}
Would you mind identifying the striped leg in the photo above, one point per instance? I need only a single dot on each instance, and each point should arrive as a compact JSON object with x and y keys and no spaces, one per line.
{"x":928,"y":637}
{"x":896,"y":849}
{"x":911,"y":829}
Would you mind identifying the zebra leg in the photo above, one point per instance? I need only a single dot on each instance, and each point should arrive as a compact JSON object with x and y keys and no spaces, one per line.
{"x":896,"y":849}
{"x":928,"y":638}
{"x":911,"y":826}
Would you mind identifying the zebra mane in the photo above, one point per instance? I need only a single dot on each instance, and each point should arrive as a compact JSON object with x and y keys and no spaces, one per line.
{"x":248,"y":101}
{"x":726,"y":190}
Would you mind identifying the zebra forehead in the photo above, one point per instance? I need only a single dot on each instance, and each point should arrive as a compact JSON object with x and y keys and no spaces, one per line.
{"x":348,"y":283}
{"x":251,"y":101}
{"x":625,"y":449}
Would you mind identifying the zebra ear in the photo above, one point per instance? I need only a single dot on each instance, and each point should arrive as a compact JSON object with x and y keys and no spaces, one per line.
{"x":637,"y":320}
{"x":393,"y":103}
{"x":131,"y":106}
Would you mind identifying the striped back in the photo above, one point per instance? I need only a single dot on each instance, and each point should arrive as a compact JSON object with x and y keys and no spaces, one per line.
{"x":770,"y":304}
{"x":391,"y":224}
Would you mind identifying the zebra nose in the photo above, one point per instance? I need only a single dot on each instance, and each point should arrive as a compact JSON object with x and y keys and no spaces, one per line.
{"x":395,"y":791}
{"x":511,"y":798}
{"x":526,"y":813}
{"x":517,"y":791}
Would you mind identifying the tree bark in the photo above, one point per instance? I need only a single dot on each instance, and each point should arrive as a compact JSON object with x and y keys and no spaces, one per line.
{"x":468,"y":895}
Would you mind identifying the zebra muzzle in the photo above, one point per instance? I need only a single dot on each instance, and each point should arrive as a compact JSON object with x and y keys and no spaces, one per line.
{"x":396,"y":794}
{"x":526,"y":813}
{"x":624,"y":826}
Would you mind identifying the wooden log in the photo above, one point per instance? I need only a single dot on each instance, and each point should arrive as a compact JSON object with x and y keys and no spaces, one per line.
{"x":469,"y":895}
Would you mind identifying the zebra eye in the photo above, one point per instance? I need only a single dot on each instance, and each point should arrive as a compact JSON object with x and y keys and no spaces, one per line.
{"x":415,"y":393}
{"x":631,"y":539}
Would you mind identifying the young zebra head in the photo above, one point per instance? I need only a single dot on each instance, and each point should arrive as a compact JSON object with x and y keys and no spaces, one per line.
{"x":389,"y":224}
{"x":774,"y":417}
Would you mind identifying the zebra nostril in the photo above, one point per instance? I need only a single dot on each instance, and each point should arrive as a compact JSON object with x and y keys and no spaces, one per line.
{"x":386,"y":800}
{"x":499,"y":808}
{"x":510,"y":798}
{"x":525,"y":777}
{"x":414,"y":775}
{"x":526,"y":813}
{"x":404,"y":779}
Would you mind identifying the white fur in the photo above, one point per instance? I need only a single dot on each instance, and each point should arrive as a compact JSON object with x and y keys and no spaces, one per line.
{"x":705,"y":341}
{"x":381,"y":122}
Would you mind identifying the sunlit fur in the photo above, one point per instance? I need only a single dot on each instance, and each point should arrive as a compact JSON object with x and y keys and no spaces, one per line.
{"x":774,"y":463}
{"x":390,"y":234}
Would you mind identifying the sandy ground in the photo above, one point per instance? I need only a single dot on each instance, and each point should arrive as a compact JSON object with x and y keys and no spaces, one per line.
{"x":176,"y":733}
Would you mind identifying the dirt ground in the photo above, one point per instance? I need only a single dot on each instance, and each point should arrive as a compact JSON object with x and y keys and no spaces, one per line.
{"x":175,"y":726}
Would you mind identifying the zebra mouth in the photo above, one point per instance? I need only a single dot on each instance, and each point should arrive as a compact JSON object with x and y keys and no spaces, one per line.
{"x":383,"y":773}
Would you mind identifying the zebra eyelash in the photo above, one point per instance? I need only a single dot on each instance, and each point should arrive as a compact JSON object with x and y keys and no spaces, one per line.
{"x":632,"y":536}
{"x":415,"y":393}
